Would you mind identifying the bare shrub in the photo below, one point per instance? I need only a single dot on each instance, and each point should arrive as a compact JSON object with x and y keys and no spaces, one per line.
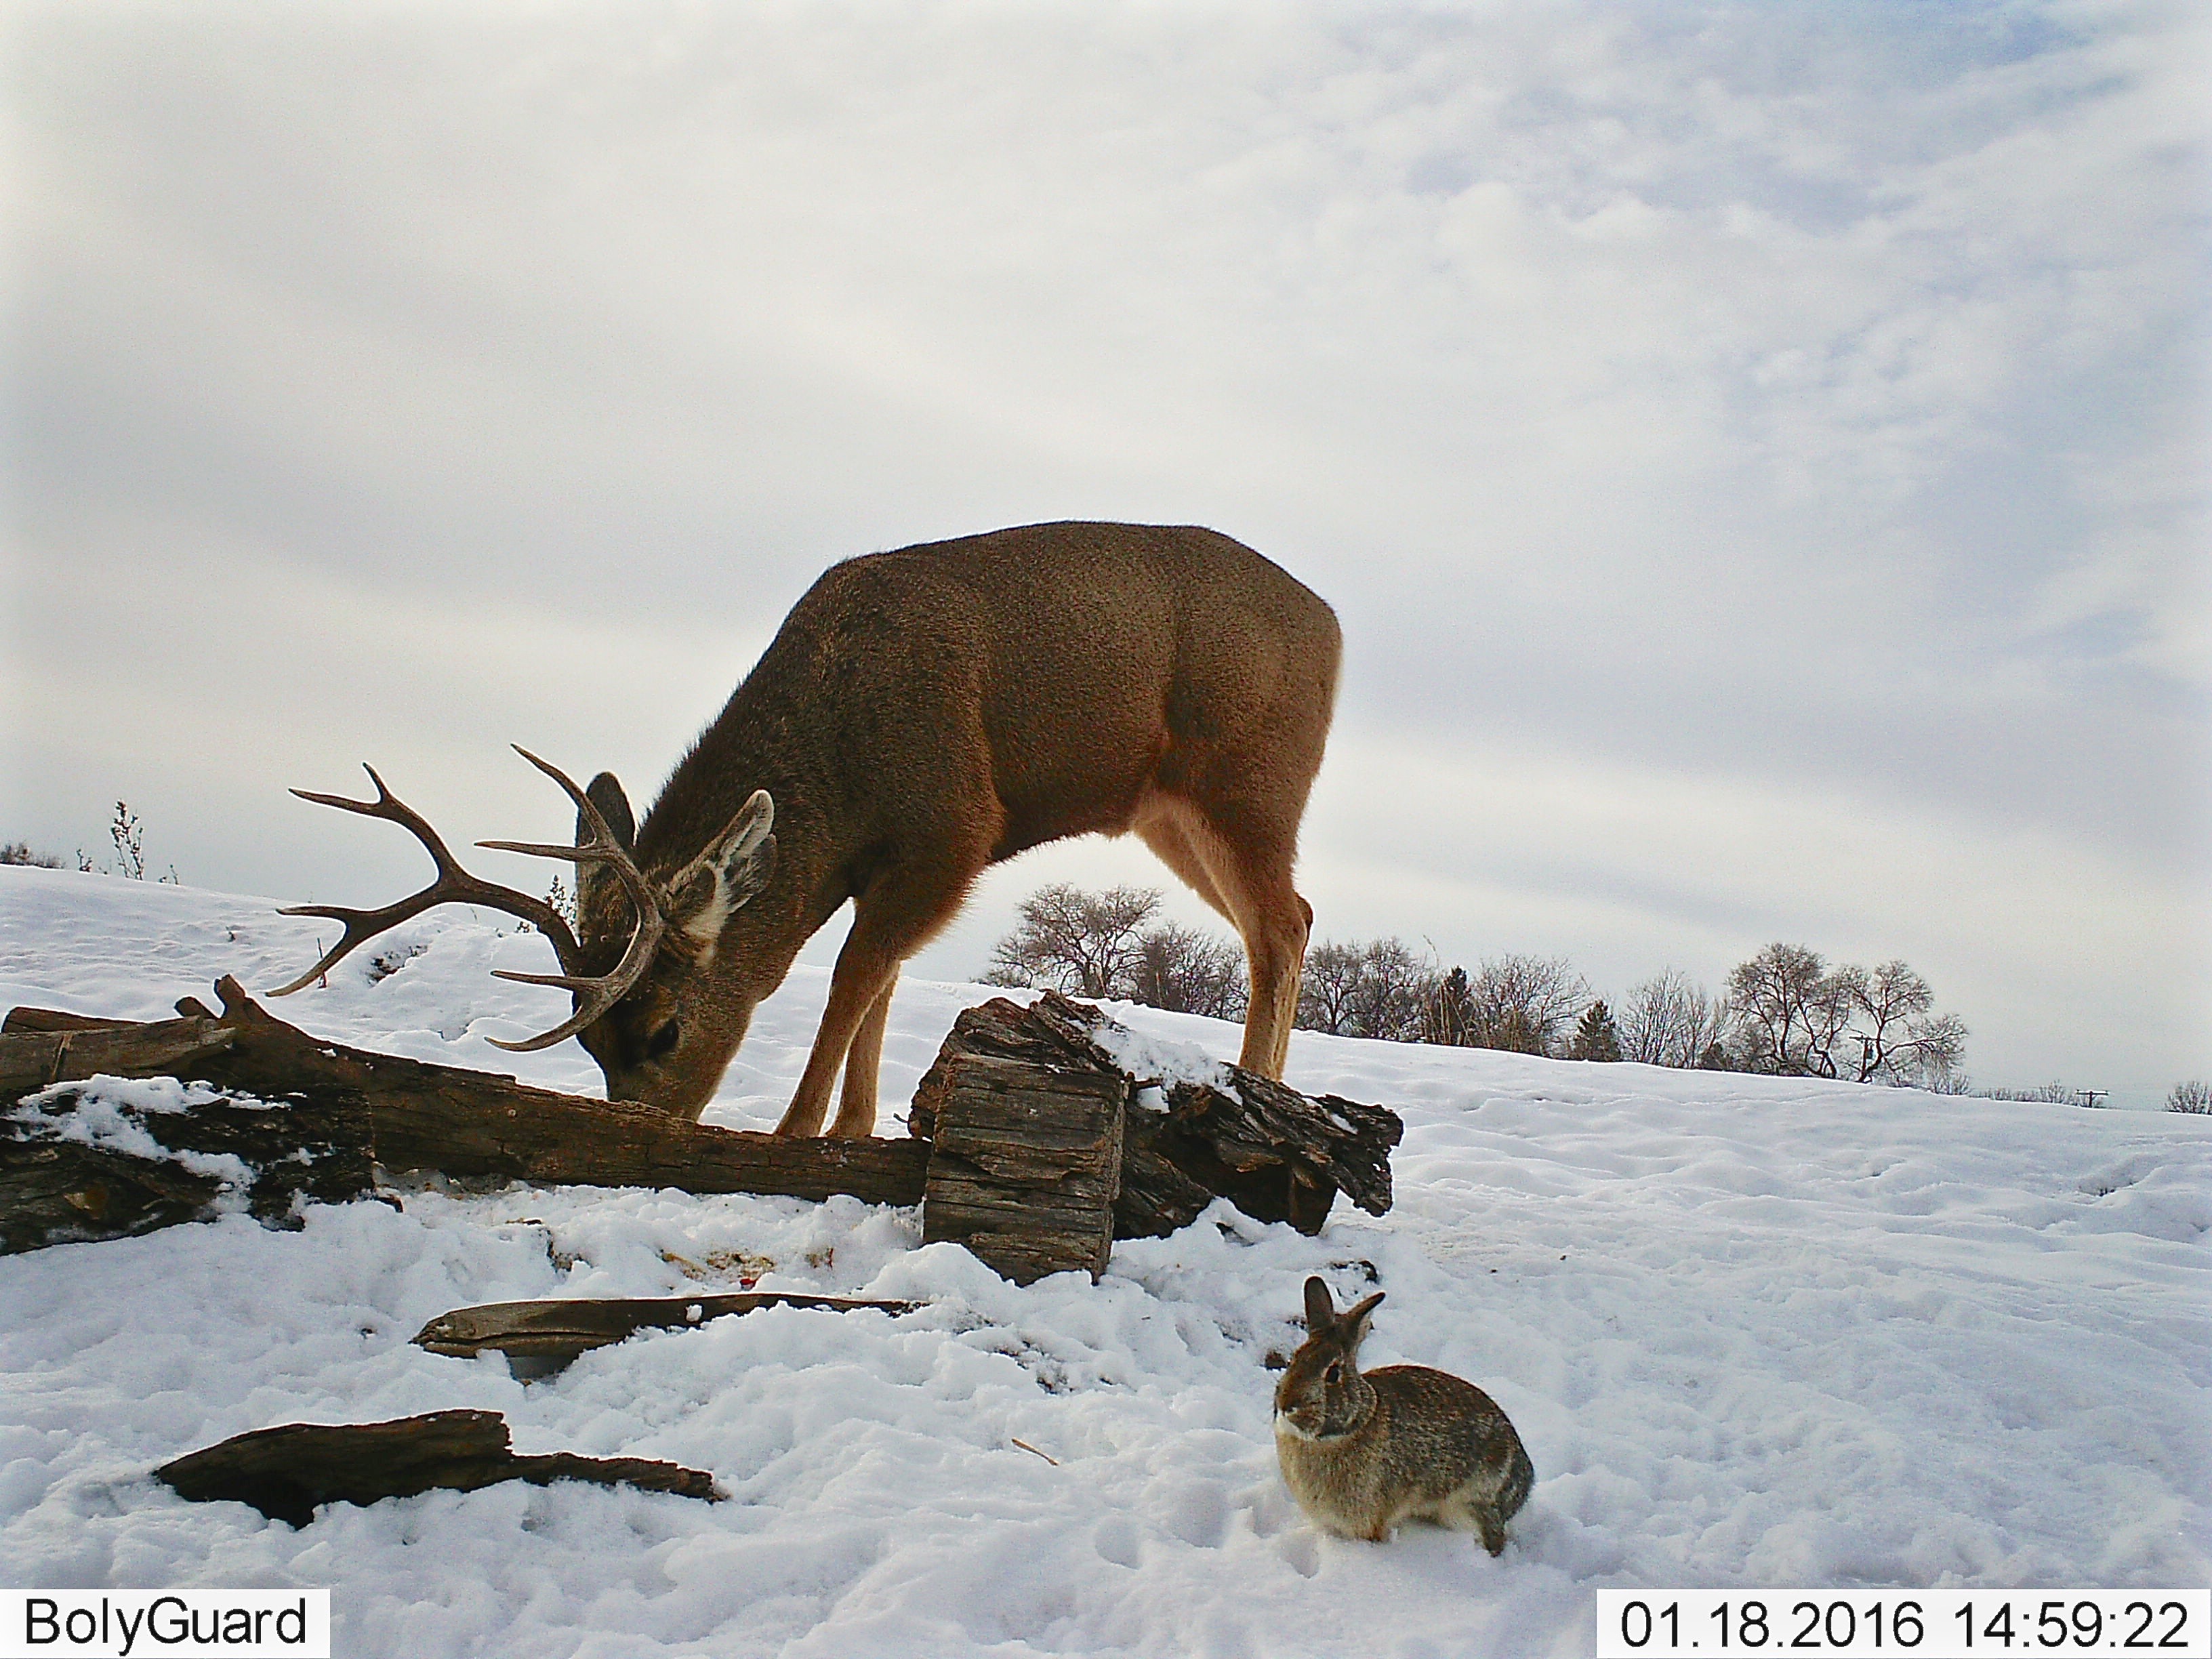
{"x":1079,"y":944}
{"x":2193,"y":1095}
{"x":1378,"y":988}
{"x":1524,"y":1004}
{"x":1670,"y":1019}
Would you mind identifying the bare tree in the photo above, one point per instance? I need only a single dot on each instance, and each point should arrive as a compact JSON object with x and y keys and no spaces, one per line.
{"x":1327,"y":987}
{"x":1775,"y":1001}
{"x":1380,"y":988}
{"x":1524,"y":1003}
{"x":1794,"y":1015}
{"x":1082,"y":944}
{"x":1670,"y":1019}
{"x":1902,"y":1039}
{"x":1194,"y":973}
{"x":2193,"y":1095}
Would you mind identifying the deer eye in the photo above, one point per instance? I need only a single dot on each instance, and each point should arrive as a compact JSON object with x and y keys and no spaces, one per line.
{"x":662,"y":1040}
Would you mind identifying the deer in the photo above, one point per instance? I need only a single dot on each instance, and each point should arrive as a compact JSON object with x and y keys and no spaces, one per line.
{"x":923,"y":714}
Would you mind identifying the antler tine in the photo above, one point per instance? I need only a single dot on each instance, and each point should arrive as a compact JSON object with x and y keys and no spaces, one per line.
{"x":453,"y":883}
{"x":596,"y":994}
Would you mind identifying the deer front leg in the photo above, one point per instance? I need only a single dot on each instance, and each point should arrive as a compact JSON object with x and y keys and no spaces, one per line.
{"x":856,"y":1106}
{"x":889,"y":924}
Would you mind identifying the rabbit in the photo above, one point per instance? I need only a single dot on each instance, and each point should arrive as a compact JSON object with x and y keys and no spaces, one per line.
{"x":1363,"y":1453}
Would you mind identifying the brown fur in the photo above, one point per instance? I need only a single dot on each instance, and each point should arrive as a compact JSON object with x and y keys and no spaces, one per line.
{"x":927,"y":713}
{"x":1365,"y":1452}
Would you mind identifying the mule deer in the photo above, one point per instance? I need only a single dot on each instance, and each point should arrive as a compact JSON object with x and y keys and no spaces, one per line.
{"x":923,"y":714}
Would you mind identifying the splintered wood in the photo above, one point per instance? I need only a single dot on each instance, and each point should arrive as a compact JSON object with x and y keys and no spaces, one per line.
{"x":1027,"y":1108}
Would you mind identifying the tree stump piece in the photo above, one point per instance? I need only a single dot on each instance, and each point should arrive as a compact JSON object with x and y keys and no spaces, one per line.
{"x":1025,"y":1163}
{"x":1276,"y":1154}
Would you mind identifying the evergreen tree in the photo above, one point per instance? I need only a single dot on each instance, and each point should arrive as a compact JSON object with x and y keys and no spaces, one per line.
{"x":1595,"y":1038}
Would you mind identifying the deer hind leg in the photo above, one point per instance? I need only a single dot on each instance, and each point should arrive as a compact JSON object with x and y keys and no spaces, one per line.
{"x":1253,"y":888}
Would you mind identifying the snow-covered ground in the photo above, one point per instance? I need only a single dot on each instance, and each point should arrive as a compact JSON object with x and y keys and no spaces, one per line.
{"x":1754,"y":1332}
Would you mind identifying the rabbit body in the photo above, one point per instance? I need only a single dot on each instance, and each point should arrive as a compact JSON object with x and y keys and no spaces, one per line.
{"x":1363,"y":1452}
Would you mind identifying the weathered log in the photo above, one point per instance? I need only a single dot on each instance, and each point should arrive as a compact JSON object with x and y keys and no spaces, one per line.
{"x":466,"y":1123}
{"x":286,"y":1472}
{"x":1026,"y":1163}
{"x":33,"y":1056}
{"x":562,"y":1328}
{"x":143,"y":1169}
{"x":1273,"y":1152}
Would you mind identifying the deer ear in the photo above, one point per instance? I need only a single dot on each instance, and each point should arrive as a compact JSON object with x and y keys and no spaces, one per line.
{"x":598,"y":907}
{"x":735,"y":864}
{"x":606,"y":794}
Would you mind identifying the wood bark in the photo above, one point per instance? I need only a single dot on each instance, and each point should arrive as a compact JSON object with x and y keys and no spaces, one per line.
{"x":1276,"y":1154}
{"x":562,"y":1328}
{"x":1026,"y":1163}
{"x":413,"y":1116}
{"x":57,"y":1191}
{"x":286,"y":1472}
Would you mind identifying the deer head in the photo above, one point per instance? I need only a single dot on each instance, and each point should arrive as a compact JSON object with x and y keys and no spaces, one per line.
{"x":638,"y":966}
{"x":670,"y":1036}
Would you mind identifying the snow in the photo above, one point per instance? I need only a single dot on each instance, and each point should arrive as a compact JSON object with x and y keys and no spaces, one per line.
{"x":1753,"y":1330}
{"x":110,"y":1112}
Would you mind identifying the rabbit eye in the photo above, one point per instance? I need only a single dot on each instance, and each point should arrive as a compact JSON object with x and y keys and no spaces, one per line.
{"x":1335,"y":1372}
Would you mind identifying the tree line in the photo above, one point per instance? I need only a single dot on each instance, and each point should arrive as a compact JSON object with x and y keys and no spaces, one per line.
{"x":1785,"y":1011}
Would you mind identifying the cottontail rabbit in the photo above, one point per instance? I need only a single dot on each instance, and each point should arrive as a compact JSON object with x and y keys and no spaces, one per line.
{"x":1363,"y":1453}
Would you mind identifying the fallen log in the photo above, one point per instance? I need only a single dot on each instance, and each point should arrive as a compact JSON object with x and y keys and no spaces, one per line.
{"x":83,"y":1161}
{"x":287,"y":1471}
{"x":562,"y":1328}
{"x":420,"y":1116}
{"x":1276,"y":1154}
{"x":34,"y":1055}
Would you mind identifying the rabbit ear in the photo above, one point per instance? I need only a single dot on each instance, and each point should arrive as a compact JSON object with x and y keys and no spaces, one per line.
{"x":1321,"y":1312}
{"x":1354,"y":1319}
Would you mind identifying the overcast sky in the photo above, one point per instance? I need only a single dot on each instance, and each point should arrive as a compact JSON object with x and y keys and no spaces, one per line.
{"x":1758,"y":452}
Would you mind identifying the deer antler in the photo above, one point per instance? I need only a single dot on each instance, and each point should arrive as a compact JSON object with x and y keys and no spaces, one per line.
{"x":598,"y":992}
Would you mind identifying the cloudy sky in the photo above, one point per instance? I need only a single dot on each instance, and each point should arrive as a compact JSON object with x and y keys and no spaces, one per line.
{"x":1758,"y":452}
